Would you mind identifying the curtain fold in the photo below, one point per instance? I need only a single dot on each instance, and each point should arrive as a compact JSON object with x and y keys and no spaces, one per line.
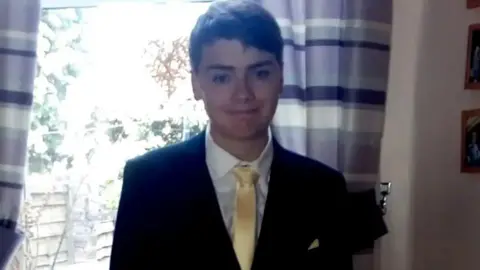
{"x":19,"y":21}
{"x":336,"y":70}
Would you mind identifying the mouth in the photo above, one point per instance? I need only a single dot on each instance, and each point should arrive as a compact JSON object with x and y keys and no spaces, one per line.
{"x":244,"y":112}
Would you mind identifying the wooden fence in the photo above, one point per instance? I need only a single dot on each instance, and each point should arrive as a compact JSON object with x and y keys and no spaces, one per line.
{"x":62,"y":229}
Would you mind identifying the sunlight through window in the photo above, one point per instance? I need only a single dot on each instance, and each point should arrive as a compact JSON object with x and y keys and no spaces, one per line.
{"x":112,"y":82}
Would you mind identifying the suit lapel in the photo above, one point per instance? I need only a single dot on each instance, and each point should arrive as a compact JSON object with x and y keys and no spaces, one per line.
{"x":208,"y":223}
{"x":281,"y":215}
{"x":266,"y":245}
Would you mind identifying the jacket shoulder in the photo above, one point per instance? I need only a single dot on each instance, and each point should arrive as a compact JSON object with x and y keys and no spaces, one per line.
{"x":312,"y":166}
{"x":153,"y":173}
{"x":164,"y":157}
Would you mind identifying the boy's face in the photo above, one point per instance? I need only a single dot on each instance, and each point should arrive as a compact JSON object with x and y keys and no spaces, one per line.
{"x":240,"y":87}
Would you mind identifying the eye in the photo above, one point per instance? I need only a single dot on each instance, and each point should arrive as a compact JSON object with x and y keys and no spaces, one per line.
{"x":220,"y":78}
{"x":262,"y":74}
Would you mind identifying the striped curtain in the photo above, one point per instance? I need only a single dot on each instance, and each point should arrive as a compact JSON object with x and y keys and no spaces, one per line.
{"x":19,"y":21}
{"x":336,"y":69}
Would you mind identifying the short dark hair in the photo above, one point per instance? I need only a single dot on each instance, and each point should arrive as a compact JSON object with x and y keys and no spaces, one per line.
{"x":242,"y":20}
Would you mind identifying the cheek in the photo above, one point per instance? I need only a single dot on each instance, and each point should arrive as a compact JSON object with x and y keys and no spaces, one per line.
{"x":216,"y":100}
{"x":268,"y":95}
{"x":269,"y":108}
{"x":266,"y":89}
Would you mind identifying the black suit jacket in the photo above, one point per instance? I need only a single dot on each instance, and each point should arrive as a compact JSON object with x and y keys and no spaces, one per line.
{"x":169,"y":217}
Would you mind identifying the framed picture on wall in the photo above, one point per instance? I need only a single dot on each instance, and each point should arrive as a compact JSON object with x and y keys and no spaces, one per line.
{"x":473,"y":3}
{"x":472,"y":69}
{"x":471,"y":141}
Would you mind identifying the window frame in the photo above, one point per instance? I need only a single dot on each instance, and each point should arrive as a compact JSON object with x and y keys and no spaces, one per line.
{"x":47,"y":4}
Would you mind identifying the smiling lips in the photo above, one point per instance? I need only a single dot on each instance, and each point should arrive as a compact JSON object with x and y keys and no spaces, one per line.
{"x":244,"y":113}
{"x":248,"y":111}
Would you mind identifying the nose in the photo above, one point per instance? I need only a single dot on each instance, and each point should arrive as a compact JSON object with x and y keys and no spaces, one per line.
{"x":244,"y":90}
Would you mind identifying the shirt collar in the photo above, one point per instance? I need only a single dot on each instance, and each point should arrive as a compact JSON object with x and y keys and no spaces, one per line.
{"x":220,"y":162}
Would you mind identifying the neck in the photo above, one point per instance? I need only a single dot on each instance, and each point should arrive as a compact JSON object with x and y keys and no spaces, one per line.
{"x":245,"y":150}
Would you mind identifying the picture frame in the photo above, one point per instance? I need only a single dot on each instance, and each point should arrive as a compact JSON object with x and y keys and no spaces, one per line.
{"x":470,"y":147}
{"x":473,"y":4}
{"x":472,"y":67}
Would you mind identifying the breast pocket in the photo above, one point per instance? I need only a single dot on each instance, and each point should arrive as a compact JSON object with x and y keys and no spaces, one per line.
{"x":327,"y":256}
{"x":314,"y":255}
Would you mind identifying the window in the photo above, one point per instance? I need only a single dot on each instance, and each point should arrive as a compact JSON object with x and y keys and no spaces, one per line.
{"x":112,"y":82}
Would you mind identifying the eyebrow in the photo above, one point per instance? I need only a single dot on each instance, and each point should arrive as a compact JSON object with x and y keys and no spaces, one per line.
{"x":251,"y":66}
{"x":260,"y":64}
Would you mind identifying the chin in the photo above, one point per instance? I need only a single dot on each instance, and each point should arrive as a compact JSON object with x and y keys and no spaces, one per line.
{"x":244,"y":133}
{"x":239,"y":130}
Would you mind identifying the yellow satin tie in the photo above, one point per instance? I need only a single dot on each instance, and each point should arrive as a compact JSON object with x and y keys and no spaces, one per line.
{"x":244,"y":220}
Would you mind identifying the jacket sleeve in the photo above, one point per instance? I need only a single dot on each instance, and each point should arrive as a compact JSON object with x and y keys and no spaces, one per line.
{"x":340,"y":205}
{"x":10,"y":236}
{"x":142,"y":238}
{"x":10,"y":239}
{"x":333,"y":222}
{"x":366,"y":220}
{"x":128,"y":239}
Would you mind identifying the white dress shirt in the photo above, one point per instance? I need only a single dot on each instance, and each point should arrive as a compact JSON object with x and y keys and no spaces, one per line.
{"x":220,"y":164}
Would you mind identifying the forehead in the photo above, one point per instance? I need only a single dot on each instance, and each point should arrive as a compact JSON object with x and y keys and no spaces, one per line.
{"x":232,"y":53}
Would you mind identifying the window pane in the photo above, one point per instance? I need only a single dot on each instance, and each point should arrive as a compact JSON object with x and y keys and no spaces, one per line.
{"x":112,"y":83}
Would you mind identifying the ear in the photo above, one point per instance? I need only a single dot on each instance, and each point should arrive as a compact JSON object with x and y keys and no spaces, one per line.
{"x":197,"y":90}
{"x":281,"y":84}
{"x":281,"y":77}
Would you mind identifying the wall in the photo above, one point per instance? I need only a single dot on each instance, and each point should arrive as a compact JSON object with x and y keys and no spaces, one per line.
{"x":434,"y":210}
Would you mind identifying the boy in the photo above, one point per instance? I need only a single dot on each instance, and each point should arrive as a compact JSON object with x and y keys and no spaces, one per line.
{"x":232,"y":197}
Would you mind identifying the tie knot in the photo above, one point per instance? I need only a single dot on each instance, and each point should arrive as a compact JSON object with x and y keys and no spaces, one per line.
{"x":245,"y":175}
